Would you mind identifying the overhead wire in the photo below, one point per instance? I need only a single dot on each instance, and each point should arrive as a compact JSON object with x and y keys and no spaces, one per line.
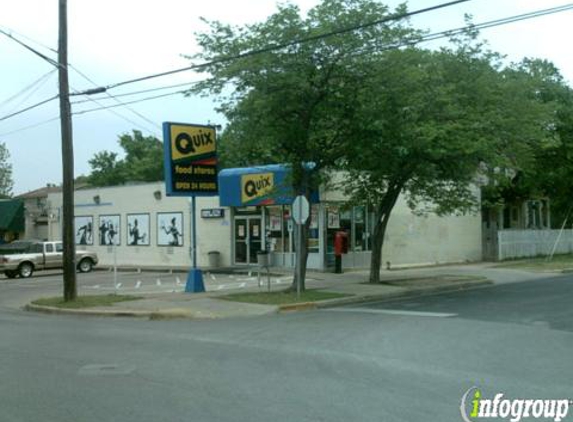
{"x":37,"y":82}
{"x":141,"y":116}
{"x":460,"y":30}
{"x":21,"y":129}
{"x":29,"y":48}
{"x":28,"y":108}
{"x":57,"y":65}
{"x":145,"y":91}
{"x":281,"y":46}
{"x":129,"y":102}
{"x":426,"y":38}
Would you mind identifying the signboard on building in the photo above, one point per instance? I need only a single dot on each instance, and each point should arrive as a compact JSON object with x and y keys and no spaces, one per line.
{"x":213,"y":213}
{"x":257,"y":188}
{"x":190,"y":154}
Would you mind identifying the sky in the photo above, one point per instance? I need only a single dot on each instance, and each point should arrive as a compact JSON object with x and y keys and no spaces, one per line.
{"x":111,"y":41}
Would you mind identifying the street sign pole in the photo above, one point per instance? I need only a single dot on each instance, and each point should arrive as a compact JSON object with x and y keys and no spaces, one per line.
{"x":300,"y":213}
{"x":299,"y":260}
{"x":194,"y":229}
{"x":190,"y":158}
{"x":195,"y":278}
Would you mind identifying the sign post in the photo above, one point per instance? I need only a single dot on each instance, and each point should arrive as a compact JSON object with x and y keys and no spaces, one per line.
{"x":300,"y":214}
{"x":190,"y":156}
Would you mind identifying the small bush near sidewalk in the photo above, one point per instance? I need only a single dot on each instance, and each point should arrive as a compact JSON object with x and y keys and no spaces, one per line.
{"x":283,"y":297}
{"x":84,"y":301}
{"x":558,"y":262}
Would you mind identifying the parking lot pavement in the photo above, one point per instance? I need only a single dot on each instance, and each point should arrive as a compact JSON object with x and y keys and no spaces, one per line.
{"x":141,"y":283}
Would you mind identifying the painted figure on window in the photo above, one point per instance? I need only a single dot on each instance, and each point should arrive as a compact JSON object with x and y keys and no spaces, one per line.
{"x":86,"y":234}
{"x":134,"y":233}
{"x":173,"y":231}
{"x":111,"y":232}
{"x":103,"y":229}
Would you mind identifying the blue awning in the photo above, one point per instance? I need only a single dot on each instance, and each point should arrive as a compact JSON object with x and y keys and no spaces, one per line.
{"x":261,"y":185}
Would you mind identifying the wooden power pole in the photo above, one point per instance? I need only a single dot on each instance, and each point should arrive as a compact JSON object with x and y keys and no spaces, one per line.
{"x":70,"y":289}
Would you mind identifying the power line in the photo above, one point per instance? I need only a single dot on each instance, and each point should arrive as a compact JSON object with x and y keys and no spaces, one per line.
{"x":281,"y":46}
{"x":33,"y":50}
{"x":38,"y":82}
{"x":57,"y":65}
{"x":145,"y":91}
{"x":30,"y":126}
{"x":141,"y":116}
{"x":28,"y":108}
{"x":47,"y":47}
{"x":479,"y":26}
{"x":130,"y":102}
{"x":426,"y":38}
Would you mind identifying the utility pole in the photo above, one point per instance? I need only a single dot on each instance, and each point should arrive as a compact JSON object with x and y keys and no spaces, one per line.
{"x":70,"y":289}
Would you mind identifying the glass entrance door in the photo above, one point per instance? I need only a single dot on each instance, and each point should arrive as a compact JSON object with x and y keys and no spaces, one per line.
{"x":248,"y":239}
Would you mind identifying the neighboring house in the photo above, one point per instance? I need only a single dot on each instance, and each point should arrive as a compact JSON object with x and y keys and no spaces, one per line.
{"x":11,"y":220}
{"x":150,"y":229}
{"x":522,"y":229}
{"x":36,"y":212}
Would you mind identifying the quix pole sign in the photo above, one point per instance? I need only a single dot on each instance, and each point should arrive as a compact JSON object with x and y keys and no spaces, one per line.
{"x":190,"y":159}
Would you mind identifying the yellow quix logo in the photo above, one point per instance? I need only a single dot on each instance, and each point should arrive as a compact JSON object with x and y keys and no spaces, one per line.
{"x":255,"y":186}
{"x":192,"y":142}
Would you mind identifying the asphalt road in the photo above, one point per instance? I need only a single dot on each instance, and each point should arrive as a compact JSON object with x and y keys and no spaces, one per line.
{"x":401,"y":361}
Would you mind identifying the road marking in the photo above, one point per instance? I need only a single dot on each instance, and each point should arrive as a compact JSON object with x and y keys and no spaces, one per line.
{"x":394,"y":312}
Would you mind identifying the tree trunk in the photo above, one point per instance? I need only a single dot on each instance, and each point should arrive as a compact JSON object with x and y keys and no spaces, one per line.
{"x":383,"y":212}
{"x":305,"y":235}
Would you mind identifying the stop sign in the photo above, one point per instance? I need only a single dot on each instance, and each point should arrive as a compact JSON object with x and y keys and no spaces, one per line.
{"x":300,"y":209}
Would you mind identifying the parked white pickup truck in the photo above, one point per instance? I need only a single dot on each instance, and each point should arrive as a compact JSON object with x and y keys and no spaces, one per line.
{"x":23,"y":257}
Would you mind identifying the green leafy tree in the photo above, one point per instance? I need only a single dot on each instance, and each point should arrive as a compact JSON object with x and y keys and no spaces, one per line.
{"x":6,"y":182}
{"x":431,"y":123}
{"x":143,"y":162}
{"x":294,"y":104}
{"x":550,"y":172}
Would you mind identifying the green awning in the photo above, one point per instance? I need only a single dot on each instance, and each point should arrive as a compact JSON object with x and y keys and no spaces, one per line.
{"x":12,"y":215}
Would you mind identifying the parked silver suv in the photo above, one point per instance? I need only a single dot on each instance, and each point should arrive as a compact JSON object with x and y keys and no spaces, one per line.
{"x":23,"y":257}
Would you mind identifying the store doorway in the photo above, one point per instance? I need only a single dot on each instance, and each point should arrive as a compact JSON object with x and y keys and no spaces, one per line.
{"x":248,"y":239}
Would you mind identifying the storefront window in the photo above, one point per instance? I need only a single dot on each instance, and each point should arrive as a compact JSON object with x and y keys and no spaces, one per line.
{"x":360,"y":238}
{"x":288,"y":229}
{"x":274,"y":228}
{"x":332,"y":226}
{"x":313,"y":240}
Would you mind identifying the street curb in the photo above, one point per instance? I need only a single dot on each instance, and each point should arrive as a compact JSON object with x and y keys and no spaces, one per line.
{"x":416,"y":292}
{"x":30,"y":307}
{"x":155,"y":315}
{"x":303,"y":306}
{"x":295,"y":307}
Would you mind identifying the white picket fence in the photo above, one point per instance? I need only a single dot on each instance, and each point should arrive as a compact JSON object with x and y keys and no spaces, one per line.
{"x":529,"y":243}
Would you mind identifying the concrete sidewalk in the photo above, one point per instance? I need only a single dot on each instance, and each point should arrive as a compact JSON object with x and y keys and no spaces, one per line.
{"x":397,"y":284}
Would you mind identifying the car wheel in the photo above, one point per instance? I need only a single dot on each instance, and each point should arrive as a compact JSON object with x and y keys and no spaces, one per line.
{"x":10,"y":273}
{"x":85,"y":265}
{"x":25,"y":270}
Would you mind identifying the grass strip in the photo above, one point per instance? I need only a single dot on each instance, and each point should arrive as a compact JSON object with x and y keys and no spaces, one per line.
{"x":558,"y":262}
{"x":283,"y":297}
{"x":84,"y":301}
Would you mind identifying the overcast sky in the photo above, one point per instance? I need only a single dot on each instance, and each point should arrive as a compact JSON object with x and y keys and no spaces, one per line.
{"x":115,"y":40}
